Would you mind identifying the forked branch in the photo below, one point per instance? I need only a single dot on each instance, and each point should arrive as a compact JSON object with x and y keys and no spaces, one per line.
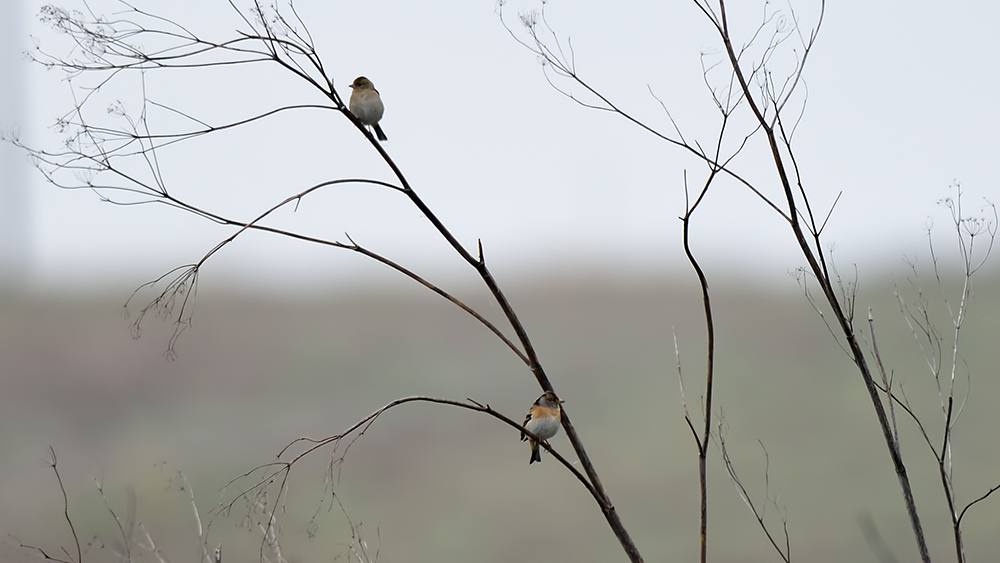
{"x":136,"y":41}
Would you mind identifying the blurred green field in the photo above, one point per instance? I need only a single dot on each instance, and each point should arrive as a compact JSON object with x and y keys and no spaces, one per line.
{"x":430,"y":483}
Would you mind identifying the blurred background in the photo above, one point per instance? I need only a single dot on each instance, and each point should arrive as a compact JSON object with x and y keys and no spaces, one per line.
{"x":577,"y":214}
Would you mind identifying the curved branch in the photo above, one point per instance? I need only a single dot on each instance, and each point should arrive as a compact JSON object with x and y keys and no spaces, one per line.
{"x":977,"y":501}
{"x":188,"y":277}
{"x":272,"y":39}
{"x":566,"y":69}
{"x":706,"y":434}
{"x":279,"y":471}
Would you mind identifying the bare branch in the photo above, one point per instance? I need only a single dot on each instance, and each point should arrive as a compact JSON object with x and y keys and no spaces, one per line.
{"x":277,"y":473}
{"x":54,"y":464}
{"x":885,"y":379}
{"x":565,"y":68}
{"x":758,"y":513}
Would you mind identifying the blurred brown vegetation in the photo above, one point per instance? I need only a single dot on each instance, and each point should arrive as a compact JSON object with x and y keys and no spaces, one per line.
{"x":437,"y":484}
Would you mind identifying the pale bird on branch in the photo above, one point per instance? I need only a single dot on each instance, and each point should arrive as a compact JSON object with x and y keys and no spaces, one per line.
{"x":366,"y":105}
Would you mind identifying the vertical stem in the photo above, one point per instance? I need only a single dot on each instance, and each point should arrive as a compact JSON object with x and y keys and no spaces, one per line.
{"x":709,"y":367}
{"x":828,"y":290}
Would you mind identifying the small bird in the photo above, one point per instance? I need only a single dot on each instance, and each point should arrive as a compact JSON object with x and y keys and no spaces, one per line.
{"x":544,"y":418}
{"x":366,"y":105}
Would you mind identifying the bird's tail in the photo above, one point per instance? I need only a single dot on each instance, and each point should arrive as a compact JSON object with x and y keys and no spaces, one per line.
{"x":536,"y":455}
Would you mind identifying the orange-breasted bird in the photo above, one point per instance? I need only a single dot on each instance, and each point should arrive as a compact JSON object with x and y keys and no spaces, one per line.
{"x":543,"y":420}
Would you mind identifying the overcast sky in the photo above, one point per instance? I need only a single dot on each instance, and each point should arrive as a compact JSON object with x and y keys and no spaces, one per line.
{"x":901,"y":103}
